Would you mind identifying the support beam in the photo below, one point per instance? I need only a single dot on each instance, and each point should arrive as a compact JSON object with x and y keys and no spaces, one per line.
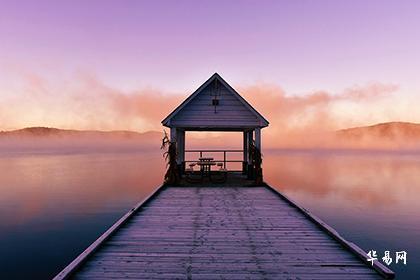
{"x":175,"y":137}
{"x":258,"y":138}
{"x":173,"y":134}
{"x":181,"y":149}
{"x":250,"y":139}
{"x":245,"y":152}
{"x":250,"y":170}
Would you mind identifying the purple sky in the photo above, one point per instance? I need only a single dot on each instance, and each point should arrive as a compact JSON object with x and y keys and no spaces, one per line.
{"x":301,"y":46}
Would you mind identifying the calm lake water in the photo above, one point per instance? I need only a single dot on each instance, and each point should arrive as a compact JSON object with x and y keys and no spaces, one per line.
{"x":52,"y":206}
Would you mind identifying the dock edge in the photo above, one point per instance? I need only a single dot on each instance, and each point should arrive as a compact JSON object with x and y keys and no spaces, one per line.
{"x":77,"y":262}
{"x":359,"y":252}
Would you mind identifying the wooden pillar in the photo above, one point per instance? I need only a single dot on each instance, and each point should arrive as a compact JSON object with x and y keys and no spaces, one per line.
{"x":173,"y":134}
{"x":175,"y":138}
{"x":245,"y":152}
{"x":180,"y":147}
{"x":181,"y":150}
{"x":258,"y":138}
{"x":250,"y":170}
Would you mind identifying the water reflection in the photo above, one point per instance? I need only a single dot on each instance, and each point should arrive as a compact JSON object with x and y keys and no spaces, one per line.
{"x":374,"y":179}
{"x":52,"y":206}
{"x":370,"y":198}
{"x":35,"y":185}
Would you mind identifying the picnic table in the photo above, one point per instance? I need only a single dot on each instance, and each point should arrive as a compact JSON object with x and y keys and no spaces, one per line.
{"x":205,"y":159}
{"x":205,"y":164}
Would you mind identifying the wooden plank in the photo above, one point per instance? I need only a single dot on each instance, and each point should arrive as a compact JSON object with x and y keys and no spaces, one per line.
{"x":223,"y":233}
{"x":379,"y":267}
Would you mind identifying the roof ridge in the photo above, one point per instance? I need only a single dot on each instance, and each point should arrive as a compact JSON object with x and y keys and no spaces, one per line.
{"x":262,"y":120}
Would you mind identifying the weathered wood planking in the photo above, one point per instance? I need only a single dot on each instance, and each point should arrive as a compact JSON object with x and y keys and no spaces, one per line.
{"x":229,"y":109}
{"x":222,"y":233}
{"x":231,"y":112}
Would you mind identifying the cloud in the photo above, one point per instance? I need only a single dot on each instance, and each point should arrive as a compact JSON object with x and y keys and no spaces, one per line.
{"x":85,"y":102}
{"x":308,"y":118}
{"x":273,"y":101}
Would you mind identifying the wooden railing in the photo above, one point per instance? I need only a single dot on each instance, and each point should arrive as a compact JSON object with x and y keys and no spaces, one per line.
{"x":225,"y":160}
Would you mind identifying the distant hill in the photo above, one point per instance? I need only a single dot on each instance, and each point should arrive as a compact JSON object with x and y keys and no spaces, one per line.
{"x":65,"y":140}
{"x":393,"y":135}
{"x":391,"y":131}
{"x":51,"y":132}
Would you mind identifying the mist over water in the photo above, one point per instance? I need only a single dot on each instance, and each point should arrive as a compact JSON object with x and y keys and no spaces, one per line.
{"x":369,"y":197}
{"x":54,"y":204}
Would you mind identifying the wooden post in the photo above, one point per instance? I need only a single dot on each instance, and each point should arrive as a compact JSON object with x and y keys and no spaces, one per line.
{"x":245,"y":152}
{"x":178,"y":146}
{"x":182,"y":152}
{"x":250,"y":170}
{"x":173,"y":134}
{"x":258,"y":138}
{"x":180,"y":135}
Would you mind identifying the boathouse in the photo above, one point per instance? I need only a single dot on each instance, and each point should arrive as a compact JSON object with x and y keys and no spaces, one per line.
{"x":216,"y":106}
{"x":234,"y":230}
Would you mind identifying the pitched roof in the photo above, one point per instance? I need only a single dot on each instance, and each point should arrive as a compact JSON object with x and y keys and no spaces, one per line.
{"x":258,"y":119}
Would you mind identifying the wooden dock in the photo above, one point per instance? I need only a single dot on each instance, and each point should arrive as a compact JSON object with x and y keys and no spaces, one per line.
{"x":225,"y":232}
